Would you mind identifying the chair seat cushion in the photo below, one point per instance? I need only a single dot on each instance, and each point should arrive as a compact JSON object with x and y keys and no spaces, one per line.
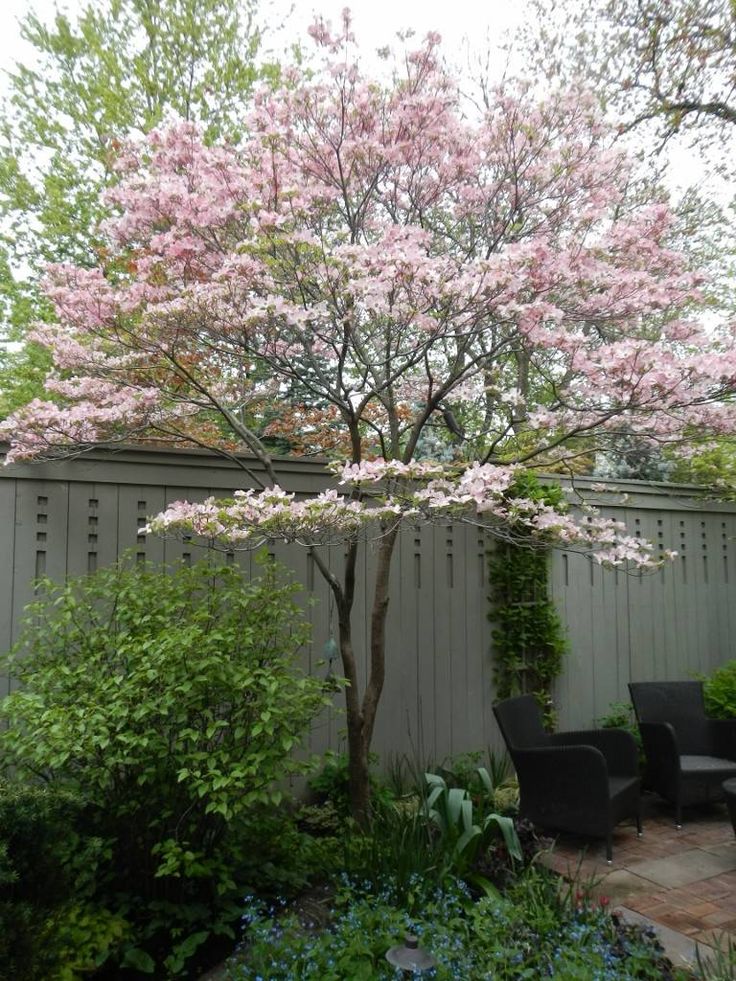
{"x":707,"y":766}
{"x":621,"y":785}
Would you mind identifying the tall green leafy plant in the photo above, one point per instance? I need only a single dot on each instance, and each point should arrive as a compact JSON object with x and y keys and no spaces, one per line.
{"x":171,"y":703}
{"x":719,"y":691}
{"x":465,"y":827}
{"x":528,"y":638}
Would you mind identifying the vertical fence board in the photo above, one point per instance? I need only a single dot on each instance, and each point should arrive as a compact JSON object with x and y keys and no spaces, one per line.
{"x":444,"y":721}
{"x":424,"y":562}
{"x":459,"y":609}
{"x":577,"y":703}
{"x":401,"y":733}
{"x":487,"y":691}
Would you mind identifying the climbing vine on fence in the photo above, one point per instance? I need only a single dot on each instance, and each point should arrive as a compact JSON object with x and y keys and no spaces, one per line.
{"x":528,"y":637}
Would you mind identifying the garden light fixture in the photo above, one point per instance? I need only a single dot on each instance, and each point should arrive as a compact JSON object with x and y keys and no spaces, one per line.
{"x":410,"y":957}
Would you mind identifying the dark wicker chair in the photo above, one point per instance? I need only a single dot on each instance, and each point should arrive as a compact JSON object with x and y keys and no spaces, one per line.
{"x":585,"y":782}
{"x":688,"y":755}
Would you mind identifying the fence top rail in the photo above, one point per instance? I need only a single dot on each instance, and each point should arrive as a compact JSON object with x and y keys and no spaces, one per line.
{"x":193,"y":467}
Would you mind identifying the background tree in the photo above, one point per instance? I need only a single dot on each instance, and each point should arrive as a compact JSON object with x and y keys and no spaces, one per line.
{"x":670,"y":62}
{"x":407,"y":267}
{"x":664,"y":73}
{"x":117,"y":69}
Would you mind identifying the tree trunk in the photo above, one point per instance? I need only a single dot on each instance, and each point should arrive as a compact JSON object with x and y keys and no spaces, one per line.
{"x":361,"y":722}
{"x":359,"y":772}
{"x":361,"y":713}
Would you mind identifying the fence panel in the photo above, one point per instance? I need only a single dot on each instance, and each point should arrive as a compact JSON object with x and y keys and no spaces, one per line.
{"x":77,"y":516}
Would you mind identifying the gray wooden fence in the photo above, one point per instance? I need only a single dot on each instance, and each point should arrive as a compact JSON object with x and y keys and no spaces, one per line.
{"x":72,"y":517}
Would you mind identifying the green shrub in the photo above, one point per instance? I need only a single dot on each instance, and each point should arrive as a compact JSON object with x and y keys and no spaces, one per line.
{"x":287,"y":858}
{"x":720,"y":692}
{"x":171,"y":703}
{"x":332,"y":784}
{"x":50,"y":926}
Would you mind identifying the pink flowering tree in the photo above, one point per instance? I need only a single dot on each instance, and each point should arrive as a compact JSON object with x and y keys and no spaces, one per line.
{"x":430,"y":298}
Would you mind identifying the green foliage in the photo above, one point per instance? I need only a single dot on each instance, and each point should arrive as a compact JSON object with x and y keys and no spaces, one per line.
{"x":287,"y":858}
{"x":495,"y":785}
{"x":401,"y":849}
{"x":528,"y":638}
{"x":171,"y":703}
{"x":620,"y":715}
{"x":538,"y":931}
{"x":117,"y":69}
{"x":319,"y":820}
{"x":720,"y":692}
{"x":332,"y":784}
{"x":50,"y":926}
{"x":712,"y":466}
{"x":420,"y":842}
{"x":465,"y":827}
{"x":405,"y":776}
{"x":719,"y":964}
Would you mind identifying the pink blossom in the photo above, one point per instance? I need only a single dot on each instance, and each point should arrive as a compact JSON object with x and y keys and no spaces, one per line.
{"x":371,"y":273}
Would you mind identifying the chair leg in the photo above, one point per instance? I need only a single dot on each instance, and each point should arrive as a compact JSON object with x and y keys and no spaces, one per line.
{"x":609,"y":848}
{"x":678,"y":815}
{"x":639,"y":831}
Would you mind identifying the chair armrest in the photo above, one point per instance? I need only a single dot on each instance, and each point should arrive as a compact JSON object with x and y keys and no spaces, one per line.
{"x":618,"y":747}
{"x":660,"y":745}
{"x":577,"y":774}
{"x":723,"y":737}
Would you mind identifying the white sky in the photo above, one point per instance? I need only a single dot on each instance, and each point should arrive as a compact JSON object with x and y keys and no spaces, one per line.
{"x":461,"y":23}
{"x":376,"y":21}
{"x":468,"y":28}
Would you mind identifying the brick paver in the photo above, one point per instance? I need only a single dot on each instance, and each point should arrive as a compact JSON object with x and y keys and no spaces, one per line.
{"x":684,"y":880}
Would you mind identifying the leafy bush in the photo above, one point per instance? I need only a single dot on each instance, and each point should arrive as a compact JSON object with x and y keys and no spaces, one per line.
{"x":287,"y":859}
{"x":720,"y":692}
{"x":332,"y":784}
{"x":49,"y":925}
{"x":171,"y":703}
{"x":540,"y":931}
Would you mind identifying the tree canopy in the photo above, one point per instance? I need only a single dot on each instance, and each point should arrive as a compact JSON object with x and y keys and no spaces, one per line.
{"x":672,"y":62}
{"x":119,"y":68}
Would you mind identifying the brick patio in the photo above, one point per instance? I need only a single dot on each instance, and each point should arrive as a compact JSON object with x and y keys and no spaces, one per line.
{"x":684,"y":881}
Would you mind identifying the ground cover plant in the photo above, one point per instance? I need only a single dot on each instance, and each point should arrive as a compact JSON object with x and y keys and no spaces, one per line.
{"x":168,"y":705}
{"x":536,"y":930}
